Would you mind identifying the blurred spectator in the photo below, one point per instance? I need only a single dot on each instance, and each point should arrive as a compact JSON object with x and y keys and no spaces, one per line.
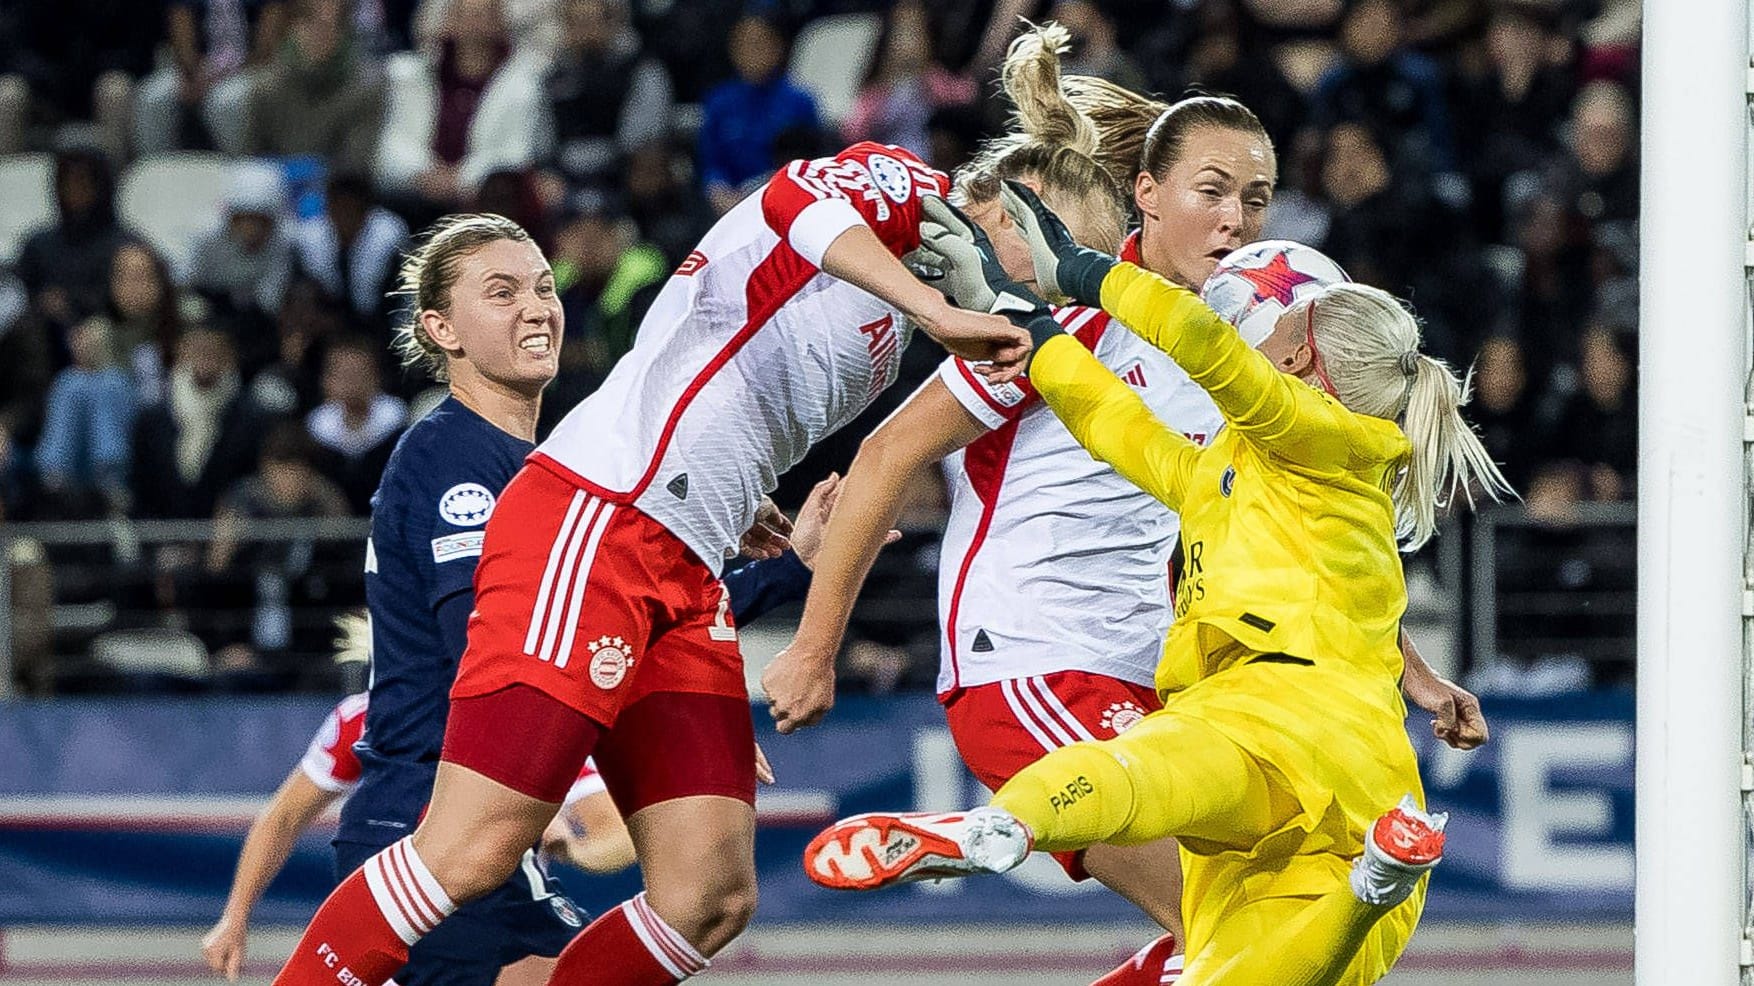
{"x":352,"y":249}
{"x":1095,"y":50}
{"x":1555,"y":296}
{"x":217,"y":47}
{"x":66,"y":266}
{"x":1216,"y":61}
{"x":357,"y":424}
{"x":1599,"y":177}
{"x":82,"y":456}
{"x":742,"y":118}
{"x":245,"y":263}
{"x":472,"y":107}
{"x":1507,"y":114}
{"x":288,"y":376}
{"x":1507,"y":412}
{"x":56,"y":77}
{"x":905,"y":86}
{"x":532,"y":26}
{"x":323,"y":94}
{"x":1597,"y":425}
{"x":144,"y":310}
{"x":607,"y":279}
{"x":284,"y":485}
{"x":201,"y":438}
{"x":264,"y":578}
{"x":608,"y":97}
{"x":668,"y":208}
{"x":1434,"y":23}
{"x":1393,"y":90}
{"x":24,"y":379}
{"x":517,"y":195}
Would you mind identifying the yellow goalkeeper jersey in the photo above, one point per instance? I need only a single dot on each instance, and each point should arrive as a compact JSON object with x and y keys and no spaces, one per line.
{"x":1288,"y":531}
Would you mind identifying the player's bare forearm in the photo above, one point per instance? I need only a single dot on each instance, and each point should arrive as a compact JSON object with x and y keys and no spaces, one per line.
{"x":272,"y":837}
{"x":889,"y":465}
{"x":858,"y":257}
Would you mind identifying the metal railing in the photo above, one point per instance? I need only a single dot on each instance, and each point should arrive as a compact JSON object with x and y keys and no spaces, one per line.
{"x":109,"y":561}
{"x":1545,"y":588}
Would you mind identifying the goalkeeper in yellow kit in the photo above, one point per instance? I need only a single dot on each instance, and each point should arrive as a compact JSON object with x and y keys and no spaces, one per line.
{"x":1281,"y":744}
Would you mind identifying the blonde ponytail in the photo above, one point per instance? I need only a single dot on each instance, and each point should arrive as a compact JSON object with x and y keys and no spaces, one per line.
{"x":1031,"y":79}
{"x":1369,"y":346}
{"x":1052,"y":143}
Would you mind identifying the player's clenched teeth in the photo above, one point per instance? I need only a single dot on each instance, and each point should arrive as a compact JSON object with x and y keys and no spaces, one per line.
{"x":538,"y":344}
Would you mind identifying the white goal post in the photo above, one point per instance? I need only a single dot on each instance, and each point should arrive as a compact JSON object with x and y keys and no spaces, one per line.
{"x":1692,"y":892}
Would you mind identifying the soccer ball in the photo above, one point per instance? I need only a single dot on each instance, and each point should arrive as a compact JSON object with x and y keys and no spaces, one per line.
{"x":1254,"y":285}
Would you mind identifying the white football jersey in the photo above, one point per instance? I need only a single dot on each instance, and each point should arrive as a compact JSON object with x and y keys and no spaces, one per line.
{"x":750,"y":354}
{"x":1051,"y":561}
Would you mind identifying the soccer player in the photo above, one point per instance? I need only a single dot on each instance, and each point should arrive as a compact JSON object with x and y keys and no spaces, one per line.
{"x":325,"y":774}
{"x":1281,"y":741}
{"x":600,"y":626}
{"x":588,"y":833}
{"x":1029,"y":508}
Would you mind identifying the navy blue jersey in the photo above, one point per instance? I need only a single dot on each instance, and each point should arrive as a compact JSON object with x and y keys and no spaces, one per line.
{"x":428,"y":521}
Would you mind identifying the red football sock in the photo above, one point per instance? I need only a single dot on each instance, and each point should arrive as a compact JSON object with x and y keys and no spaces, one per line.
{"x":1157,"y":964}
{"x":361,"y":934}
{"x":628,"y":946}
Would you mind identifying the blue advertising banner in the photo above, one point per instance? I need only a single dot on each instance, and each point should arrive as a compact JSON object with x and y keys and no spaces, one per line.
{"x":133,"y":811}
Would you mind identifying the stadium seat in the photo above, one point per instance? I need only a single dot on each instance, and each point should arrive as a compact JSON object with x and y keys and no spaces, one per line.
{"x":27,"y":188}
{"x":152,"y":654}
{"x":171,"y":199}
{"x":830,"y":57}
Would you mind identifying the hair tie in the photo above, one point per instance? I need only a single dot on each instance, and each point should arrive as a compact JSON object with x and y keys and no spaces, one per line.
{"x":1410,"y":362}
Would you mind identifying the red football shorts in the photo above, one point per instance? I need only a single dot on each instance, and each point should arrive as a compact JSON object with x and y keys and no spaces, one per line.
{"x":601,"y":608}
{"x":1003,"y":727}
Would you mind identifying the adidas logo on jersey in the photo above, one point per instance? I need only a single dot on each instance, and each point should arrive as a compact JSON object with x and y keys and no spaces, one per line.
{"x":678,"y":487}
{"x":1121,"y":716}
{"x":1135,"y":375}
{"x":982,"y":643}
{"x":609,"y":661}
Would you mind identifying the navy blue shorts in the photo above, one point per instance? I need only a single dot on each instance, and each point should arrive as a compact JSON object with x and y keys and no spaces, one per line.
{"x":529,"y":915}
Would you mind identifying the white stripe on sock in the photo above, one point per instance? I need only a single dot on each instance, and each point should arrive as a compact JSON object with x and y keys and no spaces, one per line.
{"x":658,"y":951}
{"x":392,"y":909}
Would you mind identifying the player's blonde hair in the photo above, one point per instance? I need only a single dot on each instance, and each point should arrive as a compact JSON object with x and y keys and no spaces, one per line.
{"x":1368,"y":345}
{"x":428,"y":273}
{"x":353,"y":637}
{"x":1050,"y":139}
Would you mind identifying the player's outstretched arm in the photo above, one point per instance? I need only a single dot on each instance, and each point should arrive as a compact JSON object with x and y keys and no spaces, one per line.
{"x":1459,"y":721}
{"x":799,"y":682}
{"x":270,"y":841}
{"x":858,"y":257}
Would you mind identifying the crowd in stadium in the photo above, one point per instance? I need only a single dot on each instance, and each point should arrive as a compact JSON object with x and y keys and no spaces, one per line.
{"x":1478,"y":157}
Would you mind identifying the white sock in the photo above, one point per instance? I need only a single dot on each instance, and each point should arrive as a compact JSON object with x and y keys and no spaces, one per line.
{"x":673,"y":952}
{"x":406,"y":893}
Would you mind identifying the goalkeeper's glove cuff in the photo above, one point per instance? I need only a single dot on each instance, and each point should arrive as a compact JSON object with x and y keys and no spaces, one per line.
{"x":1041,"y":328}
{"x":1081,"y":273}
